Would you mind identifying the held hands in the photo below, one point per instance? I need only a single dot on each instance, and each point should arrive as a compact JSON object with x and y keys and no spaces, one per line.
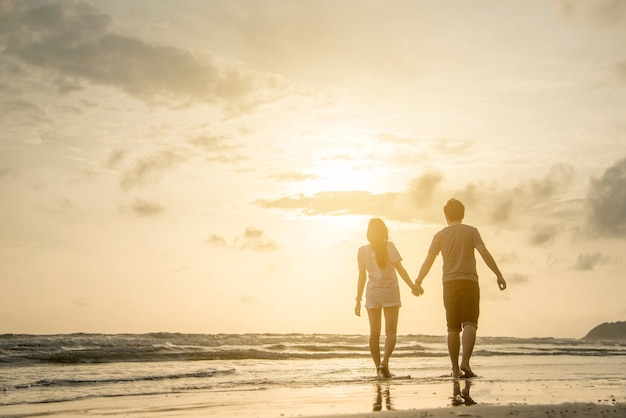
{"x":417,"y":289}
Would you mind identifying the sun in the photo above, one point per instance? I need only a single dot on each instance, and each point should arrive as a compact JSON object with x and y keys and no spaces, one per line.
{"x":339,"y":175}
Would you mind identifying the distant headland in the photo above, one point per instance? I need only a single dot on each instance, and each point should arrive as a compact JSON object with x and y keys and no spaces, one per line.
{"x":608,"y":331}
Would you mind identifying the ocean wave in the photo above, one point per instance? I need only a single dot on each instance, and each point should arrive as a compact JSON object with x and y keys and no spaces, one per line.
{"x":160,"y":347}
{"x":127,"y":379}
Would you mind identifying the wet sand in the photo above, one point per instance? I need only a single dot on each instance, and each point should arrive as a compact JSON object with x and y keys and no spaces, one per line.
{"x":386,"y":399}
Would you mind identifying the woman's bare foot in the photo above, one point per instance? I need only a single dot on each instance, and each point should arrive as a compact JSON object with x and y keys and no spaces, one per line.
{"x":467,"y":372}
{"x":383,"y":372}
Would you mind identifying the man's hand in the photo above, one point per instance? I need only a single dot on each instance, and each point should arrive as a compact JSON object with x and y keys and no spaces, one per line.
{"x":357,"y":309}
{"x":417,"y":289}
{"x":501,"y":283}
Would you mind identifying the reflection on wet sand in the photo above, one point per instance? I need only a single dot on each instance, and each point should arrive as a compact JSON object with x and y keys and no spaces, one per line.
{"x":462,"y":396}
{"x":382,"y":393}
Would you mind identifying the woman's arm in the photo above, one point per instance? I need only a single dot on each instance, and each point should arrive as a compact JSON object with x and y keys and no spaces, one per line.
{"x":405,"y":276}
{"x":359,"y":291}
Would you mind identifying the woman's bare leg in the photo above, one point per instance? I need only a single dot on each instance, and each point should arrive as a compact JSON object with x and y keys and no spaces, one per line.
{"x":374,"y":316}
{"x":391,"y":330}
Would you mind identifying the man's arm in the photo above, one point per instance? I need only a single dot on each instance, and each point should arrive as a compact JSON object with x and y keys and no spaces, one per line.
{"x":426,"y":265}
{"x":491,"y":263}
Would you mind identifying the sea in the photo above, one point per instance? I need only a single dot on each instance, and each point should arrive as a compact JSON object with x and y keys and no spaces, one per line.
{"x":37,"y":369}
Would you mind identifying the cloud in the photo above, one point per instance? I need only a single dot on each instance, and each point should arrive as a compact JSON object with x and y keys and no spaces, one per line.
{"x":606,"y":12}
{"x":116,"y":156}
{"x":606,"y":202}
{"x":254,"y":239}
{"x":556,"y":181}
{"x":74,"y":40}
{"x":423,"y":187}
{"x":425,"y":196}
{"x":517,"y":278}
{"x":501,"y":212}
{"x":620,"y":69}
{"x":293,"y":177}
{"x":145,"y":208}
{"x":542,"y":234}
{"x":22,"y":112}
{"x":218,"y":148}
{"x":216,"y":241}
{"x":590,"y":261}
{"x":150,"y":168}
{"x":392,"y":205}
{"x":452,"y":146}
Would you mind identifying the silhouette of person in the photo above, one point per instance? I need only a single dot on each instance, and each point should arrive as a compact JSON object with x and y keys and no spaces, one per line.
{"x":380,"y":393}
{"x":380,"y":260}
{"x":456,"y":243}
{"x":462,"y":397}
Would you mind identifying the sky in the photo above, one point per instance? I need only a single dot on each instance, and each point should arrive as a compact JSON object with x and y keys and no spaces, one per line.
{"x":211,"y":167}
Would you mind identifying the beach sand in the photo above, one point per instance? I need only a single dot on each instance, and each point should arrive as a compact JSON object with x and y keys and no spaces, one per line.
{"x":356,"y":401}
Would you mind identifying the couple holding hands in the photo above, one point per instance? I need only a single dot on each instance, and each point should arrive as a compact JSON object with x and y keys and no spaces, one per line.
{"x":380,"y":260}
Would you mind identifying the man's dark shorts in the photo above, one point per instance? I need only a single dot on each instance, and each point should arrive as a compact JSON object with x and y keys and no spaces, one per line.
{"x":461,"y":299}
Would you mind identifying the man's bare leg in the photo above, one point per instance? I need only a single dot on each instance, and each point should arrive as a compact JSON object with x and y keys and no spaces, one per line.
{"x":469,"y":339}
{"x":454,"y":347}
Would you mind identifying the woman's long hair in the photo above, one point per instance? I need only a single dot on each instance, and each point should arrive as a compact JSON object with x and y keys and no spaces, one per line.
{"x":378,"y":235}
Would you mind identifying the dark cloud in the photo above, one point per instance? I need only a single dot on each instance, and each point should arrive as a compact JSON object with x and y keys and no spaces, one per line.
{"x":75,"y":41}
{"x":556,"y":181}
{"x":590,"y":261}
{"x":150,"y":168}
{"x":254,"y":239}
{"x":145,"y":208}
{"x":505,"y":206}
{"x":606,"y":202}
{"x":501,"y":211}
{"x":543,"y":234}
{"x":423,"y":187}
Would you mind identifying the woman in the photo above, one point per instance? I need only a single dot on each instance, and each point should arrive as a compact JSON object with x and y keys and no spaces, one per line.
{"x":381,"y":260}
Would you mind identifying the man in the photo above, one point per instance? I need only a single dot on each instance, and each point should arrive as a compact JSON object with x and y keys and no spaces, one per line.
{"x":461,"y":293}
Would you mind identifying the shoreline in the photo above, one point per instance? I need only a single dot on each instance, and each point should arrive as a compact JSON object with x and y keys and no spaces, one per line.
{"x":394,"y":400}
